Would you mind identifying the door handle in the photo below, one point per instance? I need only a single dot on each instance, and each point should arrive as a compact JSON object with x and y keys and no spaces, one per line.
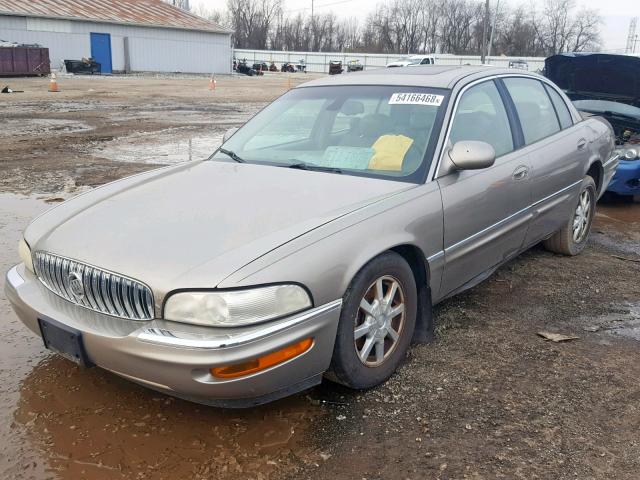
{"x":582,"y":143}
{"x":520,"y":173}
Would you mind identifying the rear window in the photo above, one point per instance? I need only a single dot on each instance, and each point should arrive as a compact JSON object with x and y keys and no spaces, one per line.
{"x":537,"y":115}
{"x":561,"y":108}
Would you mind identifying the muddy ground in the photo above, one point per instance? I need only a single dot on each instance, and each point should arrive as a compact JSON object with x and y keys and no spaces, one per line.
{"x":488,"y":398}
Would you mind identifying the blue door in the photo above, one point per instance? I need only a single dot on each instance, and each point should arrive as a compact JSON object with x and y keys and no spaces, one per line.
{"x":101,"y":50}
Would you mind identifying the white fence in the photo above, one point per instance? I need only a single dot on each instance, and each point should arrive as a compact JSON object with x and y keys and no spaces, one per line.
{"x":319,"y":61}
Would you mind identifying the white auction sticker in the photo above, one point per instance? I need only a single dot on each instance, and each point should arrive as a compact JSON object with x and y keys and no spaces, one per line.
{"x":416,"y":99}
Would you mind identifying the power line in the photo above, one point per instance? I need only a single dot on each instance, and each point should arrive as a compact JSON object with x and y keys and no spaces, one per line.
{"x":317,"y":6}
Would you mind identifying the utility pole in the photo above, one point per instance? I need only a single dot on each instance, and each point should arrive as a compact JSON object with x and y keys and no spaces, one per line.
{"x":485,"y":27}
{"x":631,"y":37}
{"x":312,"y":26}
{"x":493,"y":29}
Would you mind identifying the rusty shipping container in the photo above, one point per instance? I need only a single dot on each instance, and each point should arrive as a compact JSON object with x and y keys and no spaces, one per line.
{"x":22,"y":61}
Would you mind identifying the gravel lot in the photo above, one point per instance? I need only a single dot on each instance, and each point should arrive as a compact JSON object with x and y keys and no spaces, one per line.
{"x":488,"y":398}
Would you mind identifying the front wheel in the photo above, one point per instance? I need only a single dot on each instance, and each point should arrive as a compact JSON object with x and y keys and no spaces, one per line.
{"x":376,"y":323}
{"x":572,"y":237}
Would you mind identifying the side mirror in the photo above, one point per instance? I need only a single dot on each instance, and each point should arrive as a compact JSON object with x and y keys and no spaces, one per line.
{"x":229,"y":133}
{"x":472,"y":155}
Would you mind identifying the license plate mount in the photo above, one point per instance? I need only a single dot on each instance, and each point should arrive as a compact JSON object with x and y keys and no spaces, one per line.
{"x":64,"y":340}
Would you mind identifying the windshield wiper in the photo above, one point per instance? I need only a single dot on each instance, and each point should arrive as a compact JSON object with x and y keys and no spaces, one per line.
{"x":231,"y":154}
{"x":311,"y":167}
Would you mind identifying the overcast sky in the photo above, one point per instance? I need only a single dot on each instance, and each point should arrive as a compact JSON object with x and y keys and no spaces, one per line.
{"x":616,"y":14}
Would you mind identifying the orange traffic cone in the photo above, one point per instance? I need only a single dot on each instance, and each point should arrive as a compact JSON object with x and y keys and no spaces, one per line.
{"x":53,"y":84}
{"x":212,"y":83}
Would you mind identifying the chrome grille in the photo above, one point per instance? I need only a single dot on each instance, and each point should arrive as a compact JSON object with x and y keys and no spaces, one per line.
{"x":96,"y":289}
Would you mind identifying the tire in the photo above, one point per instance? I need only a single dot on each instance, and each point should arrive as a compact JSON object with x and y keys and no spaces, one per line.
{"x":564,"y":241}
{"x":350,"y":364}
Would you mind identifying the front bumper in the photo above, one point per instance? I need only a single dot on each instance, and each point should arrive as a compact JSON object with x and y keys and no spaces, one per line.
{"x":175,"y":358}
{"x":626,"y":180}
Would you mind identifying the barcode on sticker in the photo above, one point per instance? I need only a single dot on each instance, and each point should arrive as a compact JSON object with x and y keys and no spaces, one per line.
{"x":416,"y":99}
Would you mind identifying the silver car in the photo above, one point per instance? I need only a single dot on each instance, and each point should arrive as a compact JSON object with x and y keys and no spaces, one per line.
{"x":314,"y":242}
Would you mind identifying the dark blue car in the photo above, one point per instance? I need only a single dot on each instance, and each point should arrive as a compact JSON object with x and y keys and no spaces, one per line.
{"x":607,"y":86}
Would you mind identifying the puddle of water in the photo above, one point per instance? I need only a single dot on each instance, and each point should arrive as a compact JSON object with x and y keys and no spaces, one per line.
{"x":617,"y":226}
{"x":624,"y":321}
{"x":164,"y":147}
{"x":40,"y":126}
{"x":621,"y":216}
{"x":61,"y":421}
{"x":23,"y":108}
{"x":229,"y":115}
{"x":20,"y":351}
{"x":91,"y":424}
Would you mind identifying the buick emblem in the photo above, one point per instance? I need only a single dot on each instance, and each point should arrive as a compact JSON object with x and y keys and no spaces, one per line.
{"x":76,"y":285}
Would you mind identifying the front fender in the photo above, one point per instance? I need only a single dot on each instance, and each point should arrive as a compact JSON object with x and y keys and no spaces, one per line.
{"x":326,"y":259}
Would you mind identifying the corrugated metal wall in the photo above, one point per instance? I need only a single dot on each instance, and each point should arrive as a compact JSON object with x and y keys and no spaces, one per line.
{"x":150,"y":49}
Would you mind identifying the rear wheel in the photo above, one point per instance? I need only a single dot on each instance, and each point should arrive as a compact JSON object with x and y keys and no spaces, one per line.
{"x":376,"y":324}
{"x":572,"y":237}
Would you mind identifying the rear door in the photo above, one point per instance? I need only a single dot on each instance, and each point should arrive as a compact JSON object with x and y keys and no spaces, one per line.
{"x":485,"y":211}
{"x":557,"y":151}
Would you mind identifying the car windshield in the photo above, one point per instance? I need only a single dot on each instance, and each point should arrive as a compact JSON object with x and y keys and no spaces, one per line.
{"x":376,"y":131}
{"x":603,"y":106}
{"x":414,"y":60}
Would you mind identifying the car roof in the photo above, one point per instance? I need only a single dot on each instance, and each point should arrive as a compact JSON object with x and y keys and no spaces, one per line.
{"x":435,"y":76}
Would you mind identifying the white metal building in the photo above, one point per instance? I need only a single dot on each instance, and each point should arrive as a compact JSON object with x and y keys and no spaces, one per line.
{"x":122,"y":35}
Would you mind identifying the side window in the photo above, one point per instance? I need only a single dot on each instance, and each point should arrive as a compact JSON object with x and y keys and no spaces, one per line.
{"x":561,"y":107}
{"x":481,"y":116}
{"x":536,"y":113}
{"x":425,"y":61}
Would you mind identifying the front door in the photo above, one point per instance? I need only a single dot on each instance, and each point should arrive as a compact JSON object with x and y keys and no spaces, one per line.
{"x":485,"y":211}
{"x":101,"y":50}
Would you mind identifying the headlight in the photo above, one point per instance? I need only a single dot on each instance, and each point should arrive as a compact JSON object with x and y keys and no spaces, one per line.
{"x":631,"y":154}
{"x":25,"y":254}
{"x":237,"y":307}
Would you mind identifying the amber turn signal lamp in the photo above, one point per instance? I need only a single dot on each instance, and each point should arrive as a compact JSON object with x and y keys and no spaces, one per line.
{"x":262,"y":363}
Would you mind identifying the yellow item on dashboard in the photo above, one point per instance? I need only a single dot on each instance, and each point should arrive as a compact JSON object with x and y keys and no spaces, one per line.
{"x":390,"y":151}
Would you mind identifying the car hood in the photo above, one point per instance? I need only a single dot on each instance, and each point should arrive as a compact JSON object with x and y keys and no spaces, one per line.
{"x":596,"y":76}
{"x":193,"y":225}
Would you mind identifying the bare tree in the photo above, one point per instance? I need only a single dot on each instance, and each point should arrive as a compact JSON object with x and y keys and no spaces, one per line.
{"x":462,"y":20}
{"x":517,"y":36}
{"x":586,"y":31}
{"x":430,"y":20}
{"x":252,"y":21}
{"x":217,"y":16}
{"x":413,"y":26}
{"x":183,"y":4}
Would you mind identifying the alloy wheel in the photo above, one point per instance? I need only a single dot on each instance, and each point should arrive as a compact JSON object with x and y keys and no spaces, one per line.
{"x":582,"y":217}
{"x":379,"y":321}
